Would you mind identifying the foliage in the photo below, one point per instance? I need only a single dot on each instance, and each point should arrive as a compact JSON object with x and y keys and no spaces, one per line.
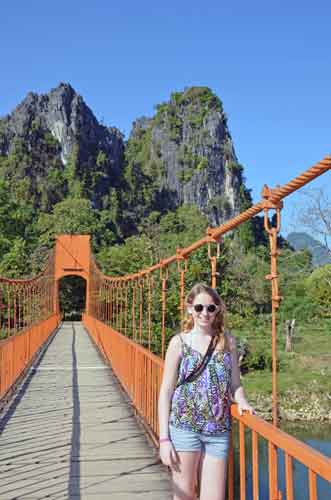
{"x":130,"y":257}
{"x":70,"y":173}
{"x":15,"y":262}
{"x":72,"y":293}
{"x":318,"y":286}
{"x":16,"y":230}
{"x":190,"y":163}
{"x":73,"y":216}
{"x":197,"y":103}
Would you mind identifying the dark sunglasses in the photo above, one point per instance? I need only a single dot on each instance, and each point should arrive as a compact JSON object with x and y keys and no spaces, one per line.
{"x":211,"y":308}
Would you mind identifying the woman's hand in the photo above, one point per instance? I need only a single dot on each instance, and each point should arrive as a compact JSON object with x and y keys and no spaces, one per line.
{"x":243,"y":405}
{"x":168,"y":455}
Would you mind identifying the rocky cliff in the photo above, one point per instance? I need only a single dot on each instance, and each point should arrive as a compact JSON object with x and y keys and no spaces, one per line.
{"x":54,"y":139}
{"x":185,"y":153}
{"x":52,"y":147}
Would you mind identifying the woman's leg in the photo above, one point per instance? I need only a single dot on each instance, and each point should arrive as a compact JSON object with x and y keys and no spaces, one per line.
{"x":184,"y":480}
{"x":213,"y":478}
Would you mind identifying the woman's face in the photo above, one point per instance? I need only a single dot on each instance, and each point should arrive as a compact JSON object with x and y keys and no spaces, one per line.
{"x":203,"y":310}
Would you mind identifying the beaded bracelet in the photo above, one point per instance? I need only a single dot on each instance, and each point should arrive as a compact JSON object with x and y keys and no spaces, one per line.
{"x":164,"y":440}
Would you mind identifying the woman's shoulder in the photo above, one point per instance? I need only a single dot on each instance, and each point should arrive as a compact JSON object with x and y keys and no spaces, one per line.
{"x":231,"y":341}
{"x":176,"y":341}
{"x":174,"y":349}
{"x":181,"y":336}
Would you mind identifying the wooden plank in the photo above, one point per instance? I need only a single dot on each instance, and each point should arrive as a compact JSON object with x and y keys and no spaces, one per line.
{"x":70,"y":433}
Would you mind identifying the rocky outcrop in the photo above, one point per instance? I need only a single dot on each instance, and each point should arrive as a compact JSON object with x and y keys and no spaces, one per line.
{"x":188,"y":151}
{"x":57,"y":129}
{"x":295,"y":406}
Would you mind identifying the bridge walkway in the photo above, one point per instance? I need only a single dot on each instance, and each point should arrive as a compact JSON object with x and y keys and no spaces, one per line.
{"x":71,"y":434}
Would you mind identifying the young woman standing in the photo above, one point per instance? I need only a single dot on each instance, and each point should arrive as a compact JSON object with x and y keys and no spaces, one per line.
{"x":200,"y":380}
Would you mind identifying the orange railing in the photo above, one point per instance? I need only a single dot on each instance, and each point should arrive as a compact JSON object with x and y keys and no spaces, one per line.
{"x":137,"y":368}
{"x":18,"y":351}
{"x":129,"y":318}
{"x":277,"y":441}
{"x":27,"y":318}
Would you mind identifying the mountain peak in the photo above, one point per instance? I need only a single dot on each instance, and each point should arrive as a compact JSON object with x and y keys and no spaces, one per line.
{"x":303,"y":241}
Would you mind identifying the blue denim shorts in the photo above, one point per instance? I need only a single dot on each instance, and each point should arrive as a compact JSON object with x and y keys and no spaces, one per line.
{"x":216,"y":446}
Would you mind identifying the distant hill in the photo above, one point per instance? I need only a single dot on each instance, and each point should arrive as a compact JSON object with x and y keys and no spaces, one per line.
{"x":320,"y":253}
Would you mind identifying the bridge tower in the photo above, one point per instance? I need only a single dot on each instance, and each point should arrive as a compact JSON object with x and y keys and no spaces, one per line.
{"x":72,"y":258}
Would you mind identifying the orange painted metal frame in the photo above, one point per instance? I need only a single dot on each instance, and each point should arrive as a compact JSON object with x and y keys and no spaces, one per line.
{"x":72,"y":258}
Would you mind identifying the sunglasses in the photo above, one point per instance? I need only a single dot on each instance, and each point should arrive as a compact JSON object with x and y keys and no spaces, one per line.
{"x":211,"y":308}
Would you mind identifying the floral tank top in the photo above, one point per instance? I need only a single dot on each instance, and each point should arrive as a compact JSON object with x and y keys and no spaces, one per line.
{"x":203,"y":405}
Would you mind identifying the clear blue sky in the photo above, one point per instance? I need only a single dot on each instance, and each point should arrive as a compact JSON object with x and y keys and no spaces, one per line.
{"x":269,"y":62}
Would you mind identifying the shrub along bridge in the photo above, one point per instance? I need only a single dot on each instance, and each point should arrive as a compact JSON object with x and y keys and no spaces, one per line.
{"x":74,"y":426}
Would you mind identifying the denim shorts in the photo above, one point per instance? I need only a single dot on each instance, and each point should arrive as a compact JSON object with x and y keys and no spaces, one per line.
{"x":184,"y":440}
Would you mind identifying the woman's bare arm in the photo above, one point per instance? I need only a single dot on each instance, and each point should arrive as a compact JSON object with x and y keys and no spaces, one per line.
{"x":237,"y":389}
{"x":169,"y":381}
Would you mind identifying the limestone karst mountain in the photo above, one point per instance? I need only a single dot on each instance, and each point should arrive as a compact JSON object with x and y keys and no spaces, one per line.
{"x":50,"y":141}
{"x":186,"y":152}
{"x":52,"y":147}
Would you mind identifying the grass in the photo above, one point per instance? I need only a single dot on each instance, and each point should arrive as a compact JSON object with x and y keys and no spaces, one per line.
{"x":308,"y":366}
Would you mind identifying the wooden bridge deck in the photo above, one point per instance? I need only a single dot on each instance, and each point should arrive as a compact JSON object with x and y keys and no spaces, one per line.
{"x":70,"y":433}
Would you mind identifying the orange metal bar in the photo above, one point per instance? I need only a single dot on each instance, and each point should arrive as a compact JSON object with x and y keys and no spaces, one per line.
{"x":273,"y":472}
{"x":141,"y":284}
{"x":164,"y":277}
{"x":255,"y":465}
{"x":312,"y":485}
{"x":275,"y":297}
{"x":149,"y":282}
{"x":121,"y":307}
{"x":213,"y":261}
{"x":242,"y":460}
{"x":182,"y":270}
{"x":126,"y":310}
{"x":134,"y":311}
{"x":289,"y":477}
{"x":15,"y":309}
{"x":8,"y":311}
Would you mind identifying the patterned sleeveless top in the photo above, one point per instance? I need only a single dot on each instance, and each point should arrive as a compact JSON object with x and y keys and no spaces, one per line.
{"x":203,"y":405}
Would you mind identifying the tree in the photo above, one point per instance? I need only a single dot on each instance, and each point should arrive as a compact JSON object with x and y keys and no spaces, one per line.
{"x":315,"y":214}
{"x":14,"y":263}
{"x":130,"y":257}
{"x":319,"y":288}
{"x":71,"y":216}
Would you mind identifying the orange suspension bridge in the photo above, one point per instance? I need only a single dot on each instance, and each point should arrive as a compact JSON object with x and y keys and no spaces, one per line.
{"x":79,"y":422}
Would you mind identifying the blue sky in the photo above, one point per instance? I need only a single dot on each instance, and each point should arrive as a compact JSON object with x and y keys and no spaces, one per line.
{"x":269,"y":62}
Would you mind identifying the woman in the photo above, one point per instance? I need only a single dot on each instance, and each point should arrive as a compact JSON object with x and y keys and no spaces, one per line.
{"x":194,"y":413}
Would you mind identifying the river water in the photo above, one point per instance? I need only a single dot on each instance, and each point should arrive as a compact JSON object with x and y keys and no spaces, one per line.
{"x":318,"y":436}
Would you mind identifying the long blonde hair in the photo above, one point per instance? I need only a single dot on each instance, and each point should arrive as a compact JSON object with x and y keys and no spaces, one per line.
{"x":220,"y":337}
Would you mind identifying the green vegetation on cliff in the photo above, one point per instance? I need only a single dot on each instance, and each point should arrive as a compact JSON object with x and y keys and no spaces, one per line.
{"x":194,"y":103}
